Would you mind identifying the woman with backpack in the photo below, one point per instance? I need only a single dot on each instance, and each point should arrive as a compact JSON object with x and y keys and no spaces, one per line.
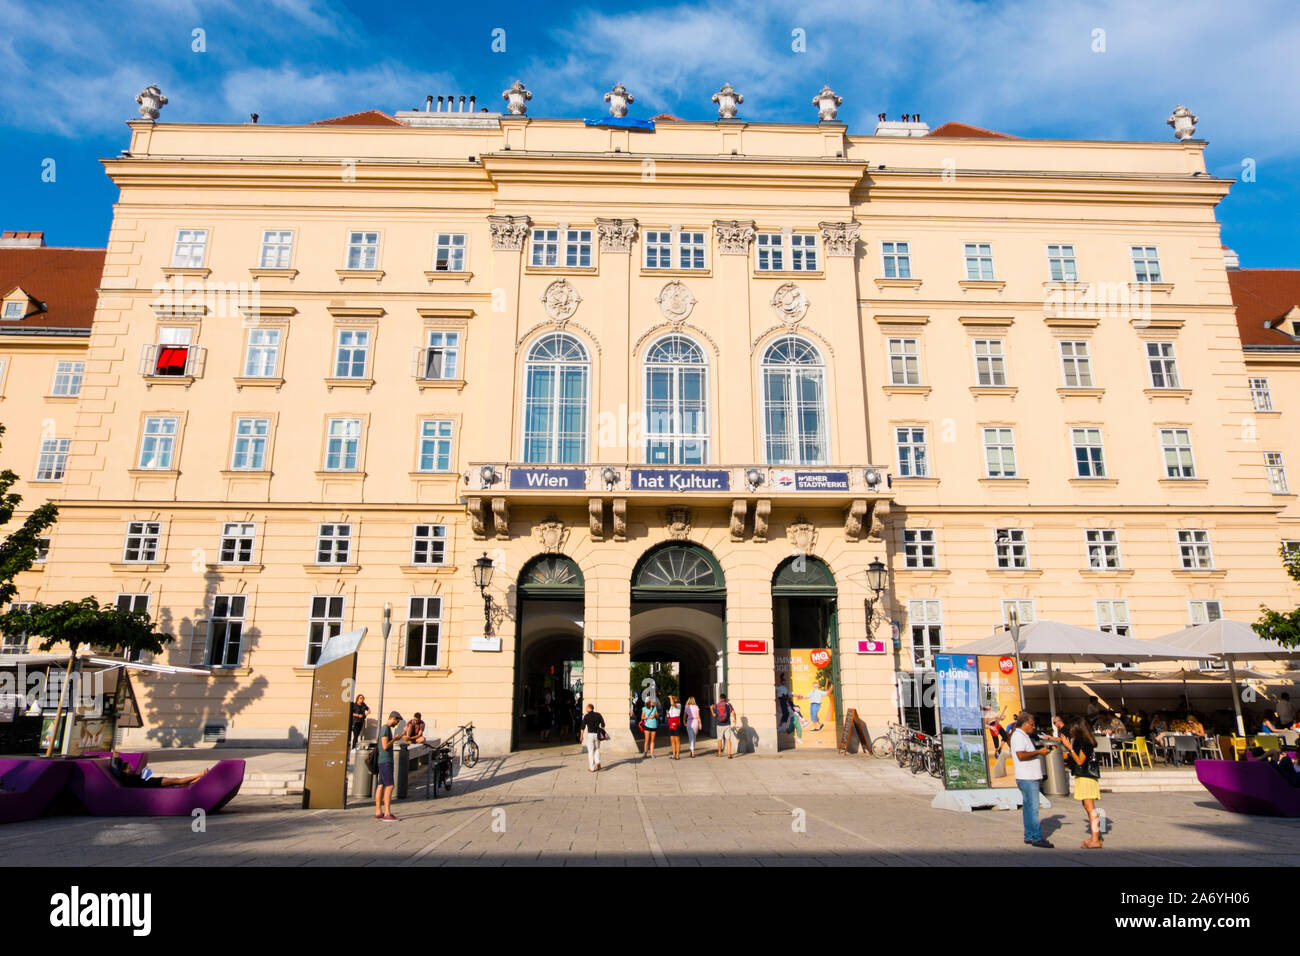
{"x":1081,"y":750}
{"x":722,"y":713}
{"x":675,"y":726}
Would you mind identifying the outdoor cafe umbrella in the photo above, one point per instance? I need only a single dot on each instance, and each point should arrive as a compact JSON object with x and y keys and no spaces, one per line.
{"x":1229,"y":641}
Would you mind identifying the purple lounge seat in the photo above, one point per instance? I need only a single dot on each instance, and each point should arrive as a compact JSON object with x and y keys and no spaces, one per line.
{"x":1249,"y":787}
{"x":136,"y":760}
{"x":103,"y":796}
{"x":27,"y":787}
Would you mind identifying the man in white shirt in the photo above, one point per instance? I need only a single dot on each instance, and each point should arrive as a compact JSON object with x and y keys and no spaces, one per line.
{"x":1029,"y":771}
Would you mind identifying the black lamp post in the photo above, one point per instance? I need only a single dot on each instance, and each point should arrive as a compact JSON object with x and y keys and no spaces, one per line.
{"x":482,"y":578}
{"x":876,"y":572}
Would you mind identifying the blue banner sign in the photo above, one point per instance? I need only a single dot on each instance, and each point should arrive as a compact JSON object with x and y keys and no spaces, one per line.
{"x":680,"y":479}
{"x":821,"y":481}
{"x":543,"y":479}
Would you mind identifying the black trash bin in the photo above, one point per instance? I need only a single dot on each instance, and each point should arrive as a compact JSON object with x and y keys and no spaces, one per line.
{"x":363,"y":781}
{"x":401,"y":770}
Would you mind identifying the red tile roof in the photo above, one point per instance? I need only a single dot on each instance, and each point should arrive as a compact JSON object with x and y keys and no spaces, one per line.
{"x":1263,"y":296}
{"x":962,"y":129}
{"x":364,"y":118}
{"x":63,"y":279}
{"x":664,"y":116}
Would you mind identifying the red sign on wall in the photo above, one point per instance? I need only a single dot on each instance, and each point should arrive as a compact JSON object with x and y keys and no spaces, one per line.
{"x":752,"y":647}
{"x":820,"y":658}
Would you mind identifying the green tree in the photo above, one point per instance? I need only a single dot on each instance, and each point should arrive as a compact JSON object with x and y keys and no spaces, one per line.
{"x":1282,"y":626}
{"x":18,"y":550}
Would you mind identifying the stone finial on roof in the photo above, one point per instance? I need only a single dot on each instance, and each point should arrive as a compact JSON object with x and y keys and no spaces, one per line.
{"x":827,"y":104}
{"x":728,"y":100}
{"x":619,"y":99}
{"x":151,"y":100}
{"x":1183,"y":121}
{"x":516,"y":98}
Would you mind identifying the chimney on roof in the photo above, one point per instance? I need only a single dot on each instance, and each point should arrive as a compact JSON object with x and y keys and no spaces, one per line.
{"x":428,"y":103}
{"x":11,"y":239}
{"x":909,"y":125}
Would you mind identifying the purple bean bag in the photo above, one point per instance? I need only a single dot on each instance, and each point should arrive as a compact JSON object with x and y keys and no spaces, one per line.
{"x":1249,"y":787}
{"x":27,"y":787}
{"x":136,"y":760}
{"x":103,"y":796}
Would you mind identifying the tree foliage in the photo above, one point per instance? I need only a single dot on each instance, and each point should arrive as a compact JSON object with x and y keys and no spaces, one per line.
{"x":86,"y":623}
{"x":1282,"y":626}
{"x":18,"y":550}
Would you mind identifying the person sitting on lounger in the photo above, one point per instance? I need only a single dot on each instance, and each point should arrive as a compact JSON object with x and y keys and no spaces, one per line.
{"x":128,"y":776}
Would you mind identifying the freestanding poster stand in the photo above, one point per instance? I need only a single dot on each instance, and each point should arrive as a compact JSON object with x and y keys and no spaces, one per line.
{"x":333,"y":688}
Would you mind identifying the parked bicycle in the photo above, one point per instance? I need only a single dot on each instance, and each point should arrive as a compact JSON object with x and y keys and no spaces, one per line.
{"x":469,"y":749}
{"x":441,"y":769}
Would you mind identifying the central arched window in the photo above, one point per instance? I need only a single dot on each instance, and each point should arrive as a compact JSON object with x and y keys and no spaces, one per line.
{"x":676,"y":403}
{"x":678,"y":572}
{"x":794,"y":403}
{"x":557,"y":383}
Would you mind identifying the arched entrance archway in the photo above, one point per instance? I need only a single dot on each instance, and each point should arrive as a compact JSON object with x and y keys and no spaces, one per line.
{"x":550,"y":601}
{"x":804,"y":621}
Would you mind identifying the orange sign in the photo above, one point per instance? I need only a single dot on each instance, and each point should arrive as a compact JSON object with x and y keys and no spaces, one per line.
{"x":820,"y":658}
{"x":606,"y":645}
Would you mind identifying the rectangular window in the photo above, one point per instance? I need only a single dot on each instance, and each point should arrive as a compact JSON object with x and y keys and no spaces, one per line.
{"x":577,"y":248}
{"x":363,"y":250}
{"x":1103,"y":549}
{"x":690,"y":250}
{"x":1025,"y":611}
{"x":53,"y":459}
{"x":1204,"y":612}
{"x":897,"y":259}
{"x":1163,"y":364}
{"x":250,"y":444}
{"x":1076,"y":365}
{"x":803,"y":252}
{"x":42,"y":550}
{"x":1176,"y":445}
{"x":919,"y":548}
{"x":326,"y":622}
{"x":658,"y":249}
{"x":1276,"y":472}
{"x":352,"y":353}
{"x":277,"y":249}
{"x":449,"y":252}
{"x":262,"y":355}
{"x":141,"y":542}
{"x":158,"y":446}
{"x":191,"y":248}
{"x":333,"y":544}
{"x":173,"y":352}
{"x":1194,"y":550}
{"x":441,"y":358}
{"x":771,"y":252}
{"x":435,"y":444}
{"x":1061,"y":265}
{"x":237,"y":539}
{"x":343,"y":445}
{"x":1146,"y":263}
{"x":429,"y":544}
{"x":1089,"y":462}
{"x":999,"y":453}
{"x":423,"y":624}
{"x":1260,"y":397}
{"x":775,"y":249}
{"x":15,"y":642}
{"x":546,"y":248}
{"x":925,"y":618}
{"x":67,"y":378}
{"x":1112,"y":617}
{"x":990,"y":363}
{"x":137,"y":604}
{"x":913,"y":454}
{"x":904,"y":362}
{"x":226,"y":631}
{"x":979,"y":261}
{"x":15,"y":310}
{"x":1011,"y":548}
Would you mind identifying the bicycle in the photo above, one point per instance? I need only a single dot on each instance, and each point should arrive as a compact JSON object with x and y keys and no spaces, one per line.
{"x":469,"y":749}
{"x":440,"y":765}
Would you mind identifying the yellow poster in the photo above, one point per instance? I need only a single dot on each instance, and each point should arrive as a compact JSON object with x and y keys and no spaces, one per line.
{"x":808,"y":713}
{"x":1000,"y":700}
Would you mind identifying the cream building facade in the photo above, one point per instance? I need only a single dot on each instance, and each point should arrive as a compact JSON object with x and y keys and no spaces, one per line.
{"x":682,"y":386}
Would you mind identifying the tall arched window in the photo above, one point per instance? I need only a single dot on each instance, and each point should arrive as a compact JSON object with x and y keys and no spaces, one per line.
{"x":676,"y":403}
{"x":557,"y":382}
{"x":794,"y":403}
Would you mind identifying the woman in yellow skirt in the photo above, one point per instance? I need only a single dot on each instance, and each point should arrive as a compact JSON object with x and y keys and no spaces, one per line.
{"x":1082,"y":751}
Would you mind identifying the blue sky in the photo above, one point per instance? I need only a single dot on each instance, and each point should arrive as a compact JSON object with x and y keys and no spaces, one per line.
{"x":1027,"y":67}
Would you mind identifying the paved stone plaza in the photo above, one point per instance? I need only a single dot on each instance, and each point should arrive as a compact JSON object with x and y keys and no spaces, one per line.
{"x":543,"y":807}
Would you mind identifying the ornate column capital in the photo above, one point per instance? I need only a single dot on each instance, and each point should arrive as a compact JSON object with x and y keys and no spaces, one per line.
{"x":509,"y":232}
{"x":616,"y":235}
{"x":734,"y":236}
{"x":840,"y":238}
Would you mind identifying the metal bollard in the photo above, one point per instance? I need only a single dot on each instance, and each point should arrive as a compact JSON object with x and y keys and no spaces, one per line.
{"x":401,"y":770}
{"x":363,"y":781}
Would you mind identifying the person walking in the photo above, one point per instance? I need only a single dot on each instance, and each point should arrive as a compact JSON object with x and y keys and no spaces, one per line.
{"x":675,"y":727}
{"x":692,"y":722}
{"x":650,"y":723}
{"x":723,"y":712}
{"x":1029,"y":771}
{"x":359,"y":711}
{"x":384,"y":789}
{"x":1081,"y":747}
{"x":590,"y":730}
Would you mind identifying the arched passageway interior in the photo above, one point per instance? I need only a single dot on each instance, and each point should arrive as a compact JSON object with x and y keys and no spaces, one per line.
{"x":548,"y":650}
{"x":806,"y":685}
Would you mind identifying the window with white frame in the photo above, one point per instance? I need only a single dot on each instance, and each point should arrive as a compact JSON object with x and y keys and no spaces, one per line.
{"x":1206,"y":612}
{"x":142,"y":540}
{"x":546,"y":248}
{"x":794,"y":403}
{"x":173,"y":354}
{"x":781,"y":251}
{"x":1176,"y":446}
{"x":352,"y":353}
{"x":1276,"y":472}
{"x":1010,"y":548}
{"x":449,"y":252}
{"x":803,"y":252}
{"x":979,"y":261}
{"x":897,"y":260}
{"x":158,"y":444}
{"x":1076,"y":364}
{"x":571,"y":248}
{"x":676,"y":402}
{"x":440,"y":358}
{"x":423,"y":629}
{"x":363,"y":251}
{"x":1261,"y":399}
{"x":435,"y":444}
{"x":333,"y":544}
{"x":1291,"y":547}
{"x":1112,"y":616}
{"x":53,"y":459}
{"x":262,"y":353}
{"x":191,"y":248}
{"x":42,"y":550}
{"x":429,"y":544}
{"x":1103,"y":549}
{"x":67,"y":378}
{"x":1194,"y":550}
{"x":15,"y":642}
{"x":990,"y":363}
{"x":557,"y":381}
{"x":658,"y":249}
{"x":999,"y":452}
{"x":15,"y":310}
{"x":343,"y":444}
{"x":1025,"y":610}
{"x":277,"y":249}
{"x":326,"y":621}
{"x":249,"y":450}
{"x":690,"y":249}
{"x":1061,"y":264}
{"x":1089,"y":459}
{"x":925,"y":619}
{"x":237,"y":541}
{"x":669,"y":249}
{"x":226,"y":631}
{"x":913,"y":451}
{"x":919,"y":549}
{"x":577,"y":248}
{"x":134,"y":604}
{"x":1146,"y":263}
{"x":904,"y":361}
{"x":1163,"y":364}
{"x":770,"y":247}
